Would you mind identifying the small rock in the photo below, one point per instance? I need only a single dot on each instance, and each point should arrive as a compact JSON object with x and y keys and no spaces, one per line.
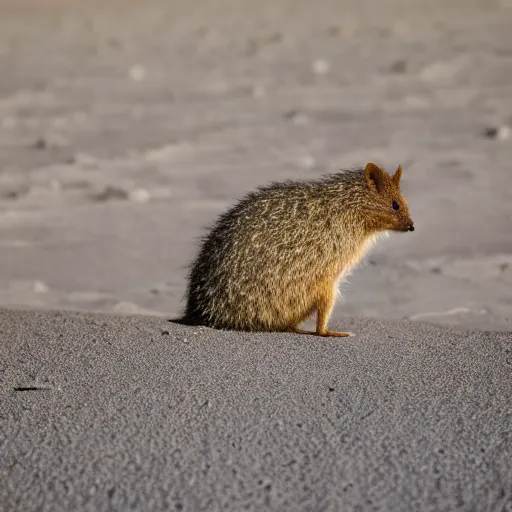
{"x":51,"y":140}
{"x":399,"y":66}
{"x":499,"y":133}
{"x":139,"y":195}
{"x":28,"y":286}
{"x":40,"y":287}
{"x":444,"y":71}
{"x":14,"y":192}
{"x":265,"y":482}
{"x":40,"y":143}
{"x":137,"y":73}
{"x":111,"y":192}
{"x":113,"y":42}
{"x":55,"y":185}
{"x":321,"y":67}
{"x":334,"y":31}
{"x":259,"y":91}
{"x":296,"y":117}
{"x":308,"y":162}
{"x":185,"y":340}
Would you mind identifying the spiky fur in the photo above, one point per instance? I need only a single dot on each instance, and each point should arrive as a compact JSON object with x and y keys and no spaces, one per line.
{"x":278,"y":255}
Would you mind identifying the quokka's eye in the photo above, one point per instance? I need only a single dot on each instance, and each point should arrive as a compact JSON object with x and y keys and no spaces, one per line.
{"x":396,"y":206}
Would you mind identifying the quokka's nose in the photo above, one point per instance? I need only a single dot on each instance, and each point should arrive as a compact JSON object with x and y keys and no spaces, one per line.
{"x":411,"y":227}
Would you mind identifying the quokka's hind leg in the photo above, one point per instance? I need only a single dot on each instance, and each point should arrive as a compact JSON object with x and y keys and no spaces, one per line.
{"x":325,"y":305}
{"x":324,"y":310}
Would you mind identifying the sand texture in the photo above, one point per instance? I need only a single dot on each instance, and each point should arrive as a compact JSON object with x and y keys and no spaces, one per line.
{"x":125,"y":128}
{"x":135,"y":413}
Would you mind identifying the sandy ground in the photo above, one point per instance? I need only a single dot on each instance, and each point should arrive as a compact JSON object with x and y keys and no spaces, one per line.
{"x":102,"y":413}
{"x":126,"y":127}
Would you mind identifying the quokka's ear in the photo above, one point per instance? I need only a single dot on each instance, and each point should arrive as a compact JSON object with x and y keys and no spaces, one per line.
{"x":374,"y":176}
{"x":397,"y":175}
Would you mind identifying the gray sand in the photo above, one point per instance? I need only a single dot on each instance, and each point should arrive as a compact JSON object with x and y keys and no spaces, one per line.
{"x":125,"y":128}
{"x":135,"y":413}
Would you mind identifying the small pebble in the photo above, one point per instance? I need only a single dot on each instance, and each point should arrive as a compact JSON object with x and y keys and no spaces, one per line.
{"x":139,"y":195}
{"x":308,"y":162}
{"x":51,"y":140}
{"x":111,"y":192}
{"x":399,"y":66}
{"x":137,"y":73}
{"x":28,"y":286}
{"x":55,"y":185}
{"x":40,"y":287}
{"x":259,"y":91}
{"x":499,"y":133}
{"x":40,"y":143}
{"x":297,"y":117}
{"x":321,"y":67}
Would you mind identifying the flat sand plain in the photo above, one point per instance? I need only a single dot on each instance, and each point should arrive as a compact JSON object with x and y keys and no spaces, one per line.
{"x":126,"y":127}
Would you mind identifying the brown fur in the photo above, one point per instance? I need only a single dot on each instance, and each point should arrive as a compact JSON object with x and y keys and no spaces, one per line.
{"x":276,"y":257}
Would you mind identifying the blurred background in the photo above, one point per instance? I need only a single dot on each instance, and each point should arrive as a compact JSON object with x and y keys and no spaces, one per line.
{"x":126,"y":127}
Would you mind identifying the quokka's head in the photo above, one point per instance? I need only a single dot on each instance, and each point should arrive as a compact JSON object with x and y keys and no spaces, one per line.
{"x":387,"y":204}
